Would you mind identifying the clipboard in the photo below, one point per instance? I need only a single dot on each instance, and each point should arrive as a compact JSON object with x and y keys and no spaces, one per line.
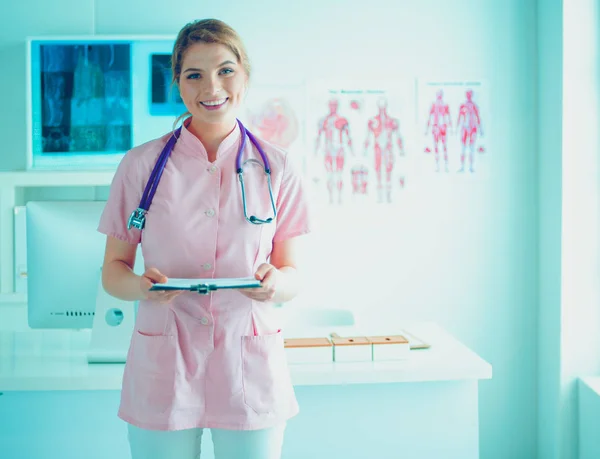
{"x":206,"y":286}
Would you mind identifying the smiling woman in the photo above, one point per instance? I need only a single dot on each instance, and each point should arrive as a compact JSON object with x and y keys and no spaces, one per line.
{"x":212,"y":86}
{"x":210,"y":65}
{"x":214,"y":361}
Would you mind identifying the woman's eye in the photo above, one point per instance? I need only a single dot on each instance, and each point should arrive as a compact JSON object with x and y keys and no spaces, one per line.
{"x":193,"y":76}
{"x":226,"y":71}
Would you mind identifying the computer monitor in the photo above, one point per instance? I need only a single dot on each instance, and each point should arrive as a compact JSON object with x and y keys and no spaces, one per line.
{"x":64,"y":260}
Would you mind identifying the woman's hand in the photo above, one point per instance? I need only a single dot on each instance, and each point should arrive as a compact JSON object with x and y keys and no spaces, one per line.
{"x":268,"y":275}
{"x":153,"y":276}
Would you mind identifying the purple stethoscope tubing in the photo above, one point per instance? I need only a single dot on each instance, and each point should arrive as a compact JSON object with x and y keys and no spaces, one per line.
{"x":138,"y":216}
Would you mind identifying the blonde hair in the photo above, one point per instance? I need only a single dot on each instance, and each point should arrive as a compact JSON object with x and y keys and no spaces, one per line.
{"x":206,"y":31}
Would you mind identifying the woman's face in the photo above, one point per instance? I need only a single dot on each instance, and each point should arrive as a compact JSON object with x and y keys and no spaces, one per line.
{"x":212,"y":83}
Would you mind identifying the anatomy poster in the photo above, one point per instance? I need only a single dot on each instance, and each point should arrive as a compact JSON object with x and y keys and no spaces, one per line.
{"x":453,"y":117}
{"x":356,"y":139}
{"x":276,"y":114}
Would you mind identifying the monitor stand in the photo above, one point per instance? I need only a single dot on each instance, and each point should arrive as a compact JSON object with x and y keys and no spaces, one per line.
{"x":113,"y":325}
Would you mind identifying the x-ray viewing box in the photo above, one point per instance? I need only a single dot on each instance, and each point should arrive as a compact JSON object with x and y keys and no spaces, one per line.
{"x":91,"y":98}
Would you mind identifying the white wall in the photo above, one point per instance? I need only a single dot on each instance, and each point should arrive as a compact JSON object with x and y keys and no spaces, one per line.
{"x":580,"y":314}
{"x":463,"y":254}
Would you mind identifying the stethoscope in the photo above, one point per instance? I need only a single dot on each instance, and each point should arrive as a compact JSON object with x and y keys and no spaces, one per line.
{"x":138,"y":216}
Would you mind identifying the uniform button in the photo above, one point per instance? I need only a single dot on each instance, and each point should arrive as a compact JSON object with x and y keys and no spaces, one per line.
{"x":212,"y":169}
{"x":210,"y":213}
{"x":207,"y":266}
{"x":204,"y":321}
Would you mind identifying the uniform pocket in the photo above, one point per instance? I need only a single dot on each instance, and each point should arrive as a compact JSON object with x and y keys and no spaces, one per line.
{"x":152,"y":372}
{"x":153,"y":353}
{"x":266,"y":380}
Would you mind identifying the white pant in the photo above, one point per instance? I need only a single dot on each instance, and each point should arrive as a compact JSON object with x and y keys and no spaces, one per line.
{"x":185,"y":444}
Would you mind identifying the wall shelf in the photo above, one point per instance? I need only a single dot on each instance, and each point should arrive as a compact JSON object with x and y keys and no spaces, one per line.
{"x":21,"y":179}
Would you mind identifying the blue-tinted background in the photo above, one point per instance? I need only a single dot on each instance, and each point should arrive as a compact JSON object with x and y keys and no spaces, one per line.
{"x":509,"y":266}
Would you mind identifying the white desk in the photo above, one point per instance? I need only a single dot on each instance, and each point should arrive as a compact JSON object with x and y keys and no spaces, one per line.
{"x":423,"y":407}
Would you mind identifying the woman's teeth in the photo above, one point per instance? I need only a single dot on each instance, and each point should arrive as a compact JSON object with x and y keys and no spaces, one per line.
{"x":214,"y":103}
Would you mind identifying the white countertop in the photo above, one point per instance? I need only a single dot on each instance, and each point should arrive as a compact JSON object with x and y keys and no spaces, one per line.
{"x":56,"y":360}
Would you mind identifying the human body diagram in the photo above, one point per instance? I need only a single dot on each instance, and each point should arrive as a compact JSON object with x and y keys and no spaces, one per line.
{"x":276,"y":122}
{"x":333,"y":138}
{"x":439,"y":122}
{"x":468,"y":129}
{"x":469,"y":126}
{"x":383,"y":136}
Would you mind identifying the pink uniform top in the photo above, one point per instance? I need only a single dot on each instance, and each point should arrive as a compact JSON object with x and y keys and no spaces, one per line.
{"x":212,"y":360}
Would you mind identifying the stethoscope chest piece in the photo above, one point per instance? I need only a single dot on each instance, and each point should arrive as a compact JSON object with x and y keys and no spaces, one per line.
{"x":137,"y":219}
